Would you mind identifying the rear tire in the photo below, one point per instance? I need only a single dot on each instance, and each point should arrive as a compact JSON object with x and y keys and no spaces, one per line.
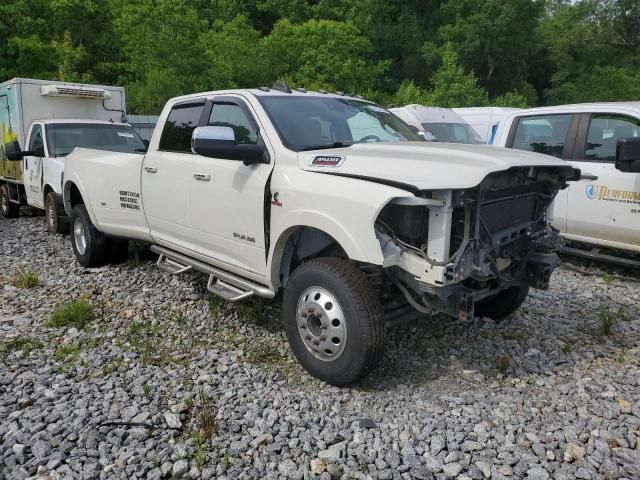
{"x":57,"y":221}
{"x":333,"y":320}
{"x":7,"y":208}
{"x":503,"y":304}
{"x":89,"y":244}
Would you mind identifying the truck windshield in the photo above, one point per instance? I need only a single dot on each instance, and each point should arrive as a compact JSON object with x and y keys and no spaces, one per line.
{"x":451,"y":133}
{"x":310,"y":123}
{"x":62,"y":138}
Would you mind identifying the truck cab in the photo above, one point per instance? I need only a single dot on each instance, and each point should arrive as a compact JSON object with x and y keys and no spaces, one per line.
{"x":49,"y":141}
{"x":40,"y":122}
{"x":603,"y":208}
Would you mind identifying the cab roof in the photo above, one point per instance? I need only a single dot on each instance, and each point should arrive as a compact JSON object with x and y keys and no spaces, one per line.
{"x":50,"y":121}
{"x":272,"y":92}
{"x":582,"y":107}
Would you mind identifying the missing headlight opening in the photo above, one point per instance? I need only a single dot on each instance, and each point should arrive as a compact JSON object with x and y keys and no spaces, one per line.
{"x":445,"y":251}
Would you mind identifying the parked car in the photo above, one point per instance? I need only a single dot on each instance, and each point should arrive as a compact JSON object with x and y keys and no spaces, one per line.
{"x":603,"y":209}
{"x":330,"y":199}
{"x":484,"y":120}
{"x":438,"y":124}
{"x":41,"y":122}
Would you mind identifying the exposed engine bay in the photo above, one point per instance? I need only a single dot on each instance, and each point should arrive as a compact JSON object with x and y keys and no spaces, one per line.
{"x":446,"y":250}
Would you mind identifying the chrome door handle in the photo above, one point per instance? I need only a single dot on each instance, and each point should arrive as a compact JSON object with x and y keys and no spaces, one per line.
{"x":151,"y":169}
{"x":203,"y":177}
{"x":588,"y":176}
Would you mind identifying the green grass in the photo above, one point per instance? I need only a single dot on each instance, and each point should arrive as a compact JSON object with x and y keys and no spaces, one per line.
{"x":200,"y":448}
{"x":25,"y":345}
{"x":76,"y":314}
{"x":67,"y":355}
{"x":609,"y":318}
{"x":25,"y":278}
{"x":226,"y":462}
{"x":205,"y":412}
{"x":607,"y":278}
{"x":146,"y":390}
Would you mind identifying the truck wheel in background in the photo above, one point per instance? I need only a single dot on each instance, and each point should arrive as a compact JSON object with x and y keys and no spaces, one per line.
{"x":333,"y":320}
{"x":89,"y":244}
{"x":57,"y":221}
{"x":502,"y":304}
{"x":8,"y":209}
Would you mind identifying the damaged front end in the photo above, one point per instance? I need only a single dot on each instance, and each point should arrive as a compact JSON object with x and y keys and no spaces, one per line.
{"x":446,"y":250}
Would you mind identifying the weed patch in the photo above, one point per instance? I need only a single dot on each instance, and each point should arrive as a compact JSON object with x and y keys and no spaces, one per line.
{"x":25,"y":278}
{"x":76,"y":314}
{"x":24,"y":345}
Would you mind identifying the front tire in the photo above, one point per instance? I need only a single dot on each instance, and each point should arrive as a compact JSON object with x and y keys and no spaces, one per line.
{"x":57,"y":221}
{"x":7,"y":208}
{"x":89,"y":244}
{"x":503,"y":304}
{"x":333,"y":320}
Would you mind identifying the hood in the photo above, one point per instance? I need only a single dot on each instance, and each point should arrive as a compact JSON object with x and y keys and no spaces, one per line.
{"x":422,"y":165}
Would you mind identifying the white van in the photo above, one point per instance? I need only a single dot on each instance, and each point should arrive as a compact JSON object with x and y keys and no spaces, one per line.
{"x":437,"y":124}
{"x":603,"y":140}
{"x":41,"y":121}
{"x":484,"y":120}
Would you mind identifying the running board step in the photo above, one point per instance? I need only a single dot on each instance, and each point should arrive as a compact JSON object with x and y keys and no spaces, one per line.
{"x":165,"y":264}
{"x":595,"y":256}
{"x":226,"y":290}
{"x":221,"y":282}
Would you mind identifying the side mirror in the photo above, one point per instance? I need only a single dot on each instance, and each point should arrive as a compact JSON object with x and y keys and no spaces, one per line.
{"x":628,"y":155}
{"x":145,"y":143}
{"x":13,"y":152}
{"x":220,"y":142}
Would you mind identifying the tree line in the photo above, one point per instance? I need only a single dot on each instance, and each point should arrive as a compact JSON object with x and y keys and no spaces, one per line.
{"x":436,"y":52}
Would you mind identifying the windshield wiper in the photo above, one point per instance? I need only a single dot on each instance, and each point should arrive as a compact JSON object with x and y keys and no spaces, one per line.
{"x":328,"y":145}
{"x":61,"y":154}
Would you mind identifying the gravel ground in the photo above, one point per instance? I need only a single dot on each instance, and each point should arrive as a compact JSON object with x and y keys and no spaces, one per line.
{"x":166,"y":383}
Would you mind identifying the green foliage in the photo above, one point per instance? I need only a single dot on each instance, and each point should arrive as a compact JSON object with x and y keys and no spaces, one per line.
{"x":322,"y":54}
{"x":25,"y":278}
{"x":76,"y":314}
{"x":609,"y":318}
{"x":24,"y":345}
{"x":452,"y":87}
{"x":441,"y":52}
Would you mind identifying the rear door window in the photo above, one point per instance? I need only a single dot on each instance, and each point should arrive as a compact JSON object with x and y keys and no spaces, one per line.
{"x":604,"y":133}
{"x":180,"y":124}
{"x":542,"y":134}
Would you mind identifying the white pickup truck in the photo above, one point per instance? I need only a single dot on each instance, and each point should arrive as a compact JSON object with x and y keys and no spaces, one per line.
{"x":602,"y":140}
{"x":333,"y":201}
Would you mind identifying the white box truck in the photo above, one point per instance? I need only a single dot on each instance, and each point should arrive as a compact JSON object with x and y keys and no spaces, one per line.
{"x":484,"y":120}
{"x":41,"y":121}
{"x":437,"y":124}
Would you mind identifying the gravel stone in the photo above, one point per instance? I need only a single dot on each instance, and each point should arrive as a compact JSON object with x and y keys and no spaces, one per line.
{"x":539,"y":392}
{"x":180,"y":468}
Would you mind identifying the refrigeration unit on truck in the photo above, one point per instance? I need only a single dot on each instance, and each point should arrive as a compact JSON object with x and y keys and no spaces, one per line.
{"x":41,"y":122}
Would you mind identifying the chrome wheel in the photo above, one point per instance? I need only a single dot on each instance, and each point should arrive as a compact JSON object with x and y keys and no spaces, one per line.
{"x":321,"y":323}
{"x":79,"y":236}
{"x":51,"y":215}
